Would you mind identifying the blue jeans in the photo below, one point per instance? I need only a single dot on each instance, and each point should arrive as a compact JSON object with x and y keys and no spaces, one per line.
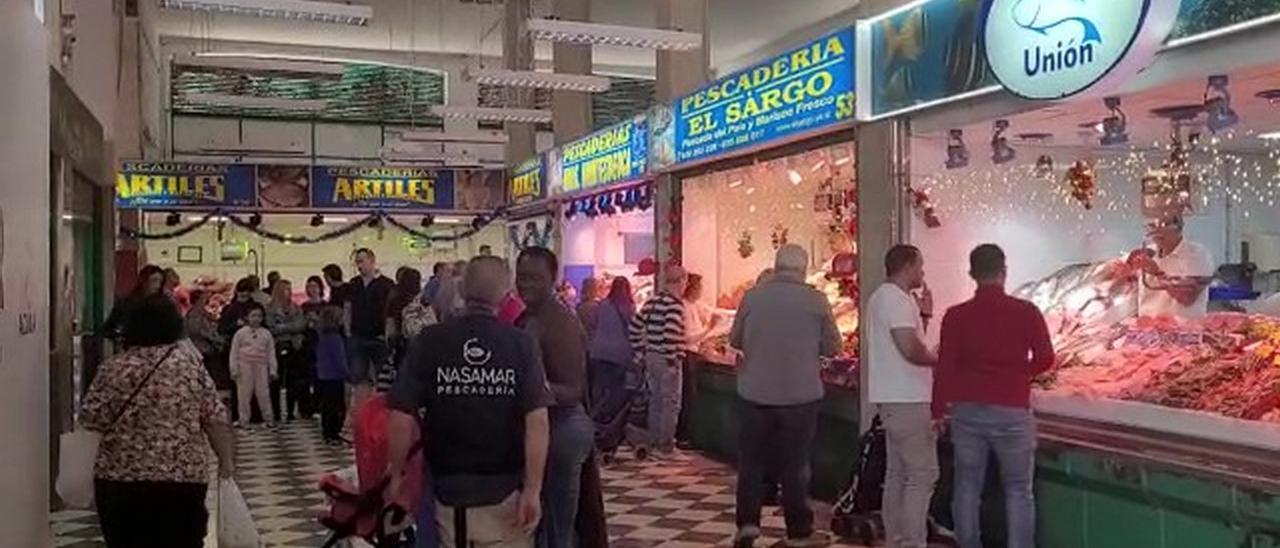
{"x":664,"y":378}
{"x":572,"y":437}
{"x":976,"y":431}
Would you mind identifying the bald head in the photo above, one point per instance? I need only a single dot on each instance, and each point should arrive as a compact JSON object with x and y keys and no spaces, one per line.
{"x":486,"y":281}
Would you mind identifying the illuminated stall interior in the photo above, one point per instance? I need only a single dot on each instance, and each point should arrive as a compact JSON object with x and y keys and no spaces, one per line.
{"x":1062,"y":191}
{"x":734,"y":220}
{"x":226,"y":255}
{"x":610,"y":238}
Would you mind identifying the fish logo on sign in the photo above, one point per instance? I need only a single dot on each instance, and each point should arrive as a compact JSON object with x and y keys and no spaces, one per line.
{"x":474,"y":354}
{"x":1076,"y":35}
{"x":1053,"y":49}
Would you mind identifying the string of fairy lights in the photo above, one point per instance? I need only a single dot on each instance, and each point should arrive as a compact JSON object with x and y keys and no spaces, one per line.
{"x":1235,"y":168}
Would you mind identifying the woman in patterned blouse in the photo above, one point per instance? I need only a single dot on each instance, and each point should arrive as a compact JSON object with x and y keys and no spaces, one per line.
{"x":153,"y":467}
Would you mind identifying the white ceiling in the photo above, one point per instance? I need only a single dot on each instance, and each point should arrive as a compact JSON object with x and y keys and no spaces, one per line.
{"x":737,"y":28}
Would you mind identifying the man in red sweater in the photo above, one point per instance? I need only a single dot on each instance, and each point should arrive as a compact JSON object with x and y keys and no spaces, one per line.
{"x":992,"y":346}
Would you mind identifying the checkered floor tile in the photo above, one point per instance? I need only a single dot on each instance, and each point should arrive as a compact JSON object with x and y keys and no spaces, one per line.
{"x":685,"y":501}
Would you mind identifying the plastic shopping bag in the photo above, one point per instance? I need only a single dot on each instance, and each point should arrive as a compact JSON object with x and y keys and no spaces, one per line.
{"x":77,"y":454}
{"x":235,"y":524}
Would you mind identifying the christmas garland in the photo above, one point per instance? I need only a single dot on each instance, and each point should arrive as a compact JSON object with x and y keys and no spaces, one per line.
{"x":135,"y":234}
{"x":372,"y":220}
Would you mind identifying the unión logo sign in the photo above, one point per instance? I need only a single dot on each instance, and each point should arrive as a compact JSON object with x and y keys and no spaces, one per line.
{"x":1051,"y":49}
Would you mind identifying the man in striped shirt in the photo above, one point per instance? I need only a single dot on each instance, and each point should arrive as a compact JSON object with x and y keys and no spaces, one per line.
{"x":658,"y":337}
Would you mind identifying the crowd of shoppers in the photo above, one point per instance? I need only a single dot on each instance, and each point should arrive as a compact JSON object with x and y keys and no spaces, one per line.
{"x":518,"y":391}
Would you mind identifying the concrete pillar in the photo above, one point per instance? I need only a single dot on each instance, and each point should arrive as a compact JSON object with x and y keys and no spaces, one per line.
{"x":571,"y":109}
{"x":884,"y":168}
{"x":682,"y":72}
{"x":517,"y":54}
{"x":462,"y":93}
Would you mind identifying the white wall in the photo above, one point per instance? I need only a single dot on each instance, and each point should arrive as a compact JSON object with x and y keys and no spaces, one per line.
{"x":599,"y":241}
{"x":24,"y":205}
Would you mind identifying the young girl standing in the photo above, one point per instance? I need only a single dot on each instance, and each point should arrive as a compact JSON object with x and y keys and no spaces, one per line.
{"x":331,"y":375}
{"x":253,"y":363}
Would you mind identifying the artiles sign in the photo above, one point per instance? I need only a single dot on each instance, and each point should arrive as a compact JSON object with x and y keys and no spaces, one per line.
{"x":1051,"y":49}
{"x":168,"y":184}
{"x":527,"y":183}
{"x":397,"y":188}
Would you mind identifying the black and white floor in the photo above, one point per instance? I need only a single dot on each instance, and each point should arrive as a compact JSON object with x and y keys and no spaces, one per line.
{"x":683,"y":502}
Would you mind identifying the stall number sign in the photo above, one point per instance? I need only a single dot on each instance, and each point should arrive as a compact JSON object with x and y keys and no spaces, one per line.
{"x":166,"y":184}
{"x":527,"y":183}
{"x":1051,"y":49}
{"x":615,"y":154}
{"x":801,"y":90}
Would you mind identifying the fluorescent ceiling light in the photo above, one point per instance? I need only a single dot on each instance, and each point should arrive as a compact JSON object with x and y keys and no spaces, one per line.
{"x":449,"y":220}
{"x":578,"y":32}
{"x":198,"y":218}
{"x":316,"y":59}
{"x":540,"y":80}
{"x":420,"y":136}
{"x":302,"y":10}
{"x":280,"y":65}
{"x":249,"y":101}
{"x":1273,"y":136}
{"x":1216,"y":33}
{"x":519,"y":115}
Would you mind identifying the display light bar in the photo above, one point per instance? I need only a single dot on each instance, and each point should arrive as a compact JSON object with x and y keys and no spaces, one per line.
{"x":578,"y":32}
{"x":1273,"y":136}
{"x":302,"y":10}
{"x":250,"y":101}
{"x":540,"y":80}
{"x":518,"y":115}
{"x":420,"y":136}
{"x":281,"y":65}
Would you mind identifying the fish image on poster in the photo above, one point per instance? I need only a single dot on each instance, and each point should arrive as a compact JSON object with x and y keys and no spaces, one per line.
{"x":1053,"y":49}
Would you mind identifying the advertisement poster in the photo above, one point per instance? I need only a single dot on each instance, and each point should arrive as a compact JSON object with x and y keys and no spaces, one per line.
{"x":480,"y":189}
{"x":528,"y":182}
{"x":801,"y":90}
{"x":614,"y":154}
{"x":169,"y":184}
{"x":393,"y":188}
{"x":284,"y":187}
{"x":662,"y":137}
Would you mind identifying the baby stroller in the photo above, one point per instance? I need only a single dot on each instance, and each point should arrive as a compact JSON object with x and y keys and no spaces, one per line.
{"x":856,"y":514}
{"x":358,"y":504}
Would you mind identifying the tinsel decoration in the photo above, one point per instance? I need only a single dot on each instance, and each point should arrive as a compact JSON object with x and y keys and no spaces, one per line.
{"x":780,"y":236}
{"x":1083,"y":182}
{"x":374,"y":220}
{"x":134,"y":234}
{"x":922,"y":205}
{"x":745,"y":247}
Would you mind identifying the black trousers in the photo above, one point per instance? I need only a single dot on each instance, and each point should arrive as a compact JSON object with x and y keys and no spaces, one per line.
{"x":152,"y":514}
{"x":780,"y":437}
{"x":333,"y":407}
{"x":295,"y":368}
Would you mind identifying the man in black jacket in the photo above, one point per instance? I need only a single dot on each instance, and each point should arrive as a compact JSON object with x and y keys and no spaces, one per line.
{"x":485,"y":394}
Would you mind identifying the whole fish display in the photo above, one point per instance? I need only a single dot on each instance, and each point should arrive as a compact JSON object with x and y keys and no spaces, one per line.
{"x":1227,"y":363}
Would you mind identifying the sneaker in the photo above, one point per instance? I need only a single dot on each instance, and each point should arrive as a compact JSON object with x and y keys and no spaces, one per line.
{"x":746,"y":536}
{"x":817,"y":539}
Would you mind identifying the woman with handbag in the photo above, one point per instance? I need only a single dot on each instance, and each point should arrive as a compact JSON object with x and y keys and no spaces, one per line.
{"x":157,"y":411}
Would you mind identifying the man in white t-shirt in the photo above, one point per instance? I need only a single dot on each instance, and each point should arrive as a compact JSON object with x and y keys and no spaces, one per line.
{"x":900,"y":386}
{"x":1176,"y":276}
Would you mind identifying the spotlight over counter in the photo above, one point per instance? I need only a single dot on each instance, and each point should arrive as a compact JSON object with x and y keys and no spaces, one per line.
{"x":1217,"y":104}
{"x":1115,"y":128}
{"x":957,"y":151}
{"x":1001,"y":152}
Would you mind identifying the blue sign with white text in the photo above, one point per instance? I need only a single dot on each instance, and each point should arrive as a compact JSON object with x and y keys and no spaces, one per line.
{"x":612,"y":155}
{"x":392,"y":188}
{"x":802,"y":90}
